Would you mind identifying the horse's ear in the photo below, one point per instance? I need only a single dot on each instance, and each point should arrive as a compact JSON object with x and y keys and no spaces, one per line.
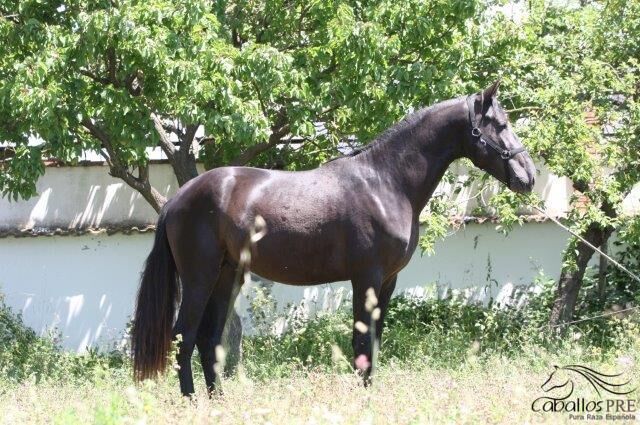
{"x":491,"y":91}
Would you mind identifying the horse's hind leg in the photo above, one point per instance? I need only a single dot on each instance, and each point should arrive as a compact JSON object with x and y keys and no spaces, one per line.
{"x":213,"y":322}
{"x":198,"y":262}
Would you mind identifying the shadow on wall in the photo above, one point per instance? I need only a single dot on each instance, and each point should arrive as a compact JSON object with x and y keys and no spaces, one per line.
{"x":85,"y":197}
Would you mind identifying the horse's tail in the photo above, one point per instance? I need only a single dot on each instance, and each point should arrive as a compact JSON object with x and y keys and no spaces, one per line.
{"x":151,"y":334}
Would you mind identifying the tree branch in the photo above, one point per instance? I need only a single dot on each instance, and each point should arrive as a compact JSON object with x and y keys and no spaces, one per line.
{"x":188,"y":137}
{"x":257,"y":149}
{"x":133,"y":83}
{"x":143,"y":172}
{"x":120,"y":170}
{"x":524,"y":108}
{"x":170,"y":128}
{"x":251,"y":153}
{"x":12,"y":18}
{"x":262,"y":105}
{"x":112,"y":65}
{"x":236,"y":39}
{"x":165,"y":143}
{"x":183,"y":161}
{"x":94,"y":77}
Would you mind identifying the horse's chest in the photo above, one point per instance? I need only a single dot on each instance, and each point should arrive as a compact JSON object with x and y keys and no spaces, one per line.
{"x":395,"y":241}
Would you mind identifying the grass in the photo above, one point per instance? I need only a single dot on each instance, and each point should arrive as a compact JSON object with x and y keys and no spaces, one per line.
{"x":492,"y":390}
{"x":442,"y":361}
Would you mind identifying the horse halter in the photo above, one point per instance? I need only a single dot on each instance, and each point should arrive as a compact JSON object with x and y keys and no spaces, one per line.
{"x":485,"y":140}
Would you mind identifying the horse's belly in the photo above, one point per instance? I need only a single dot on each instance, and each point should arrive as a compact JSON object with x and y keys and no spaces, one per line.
{"x":296,"y":277}
{"x":299,"y":260}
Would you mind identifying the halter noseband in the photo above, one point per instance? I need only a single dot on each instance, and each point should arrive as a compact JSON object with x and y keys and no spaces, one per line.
{"x":485,"y":140}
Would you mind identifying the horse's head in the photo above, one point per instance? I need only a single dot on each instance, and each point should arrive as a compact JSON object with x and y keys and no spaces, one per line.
{"x":557,"y":379}
{"x":493,"y":146}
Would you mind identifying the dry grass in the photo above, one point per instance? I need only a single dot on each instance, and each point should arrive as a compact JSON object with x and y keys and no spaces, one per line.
{"x":495,"y":391}
{"x":437,"y":374}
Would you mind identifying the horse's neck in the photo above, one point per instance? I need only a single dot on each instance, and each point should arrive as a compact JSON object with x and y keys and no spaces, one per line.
{"x":416,"y":158}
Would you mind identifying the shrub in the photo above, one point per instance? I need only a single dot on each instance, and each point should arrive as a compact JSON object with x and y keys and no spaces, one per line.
{"x":447,"y":333}
{"x":25,"y":355}
{"x":439,"y":332}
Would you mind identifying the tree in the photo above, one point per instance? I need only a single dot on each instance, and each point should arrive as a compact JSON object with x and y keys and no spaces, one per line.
{"x":572,"y":75}
{"x":272,"y":83}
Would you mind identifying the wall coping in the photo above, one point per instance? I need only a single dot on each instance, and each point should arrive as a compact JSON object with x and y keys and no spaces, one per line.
{"x":138,"y":228}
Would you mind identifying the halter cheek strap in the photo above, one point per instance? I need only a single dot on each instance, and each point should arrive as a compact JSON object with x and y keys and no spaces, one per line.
{"x":485,"y":140}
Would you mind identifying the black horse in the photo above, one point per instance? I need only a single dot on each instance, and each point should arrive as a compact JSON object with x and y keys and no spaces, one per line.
{"x":354,"y":218}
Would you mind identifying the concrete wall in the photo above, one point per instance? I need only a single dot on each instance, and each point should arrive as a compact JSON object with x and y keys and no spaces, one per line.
{"x":84,"y":197}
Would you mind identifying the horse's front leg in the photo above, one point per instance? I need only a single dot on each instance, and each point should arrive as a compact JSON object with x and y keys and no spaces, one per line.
{"x":366,"y":290}
{"x":386,"y":292}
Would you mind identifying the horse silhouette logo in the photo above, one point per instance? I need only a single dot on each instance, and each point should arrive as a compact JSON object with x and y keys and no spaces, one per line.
{"x":563,"y":380}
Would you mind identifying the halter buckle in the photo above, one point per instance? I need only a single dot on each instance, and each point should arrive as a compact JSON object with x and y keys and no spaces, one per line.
{"x":475,"y":132}
{"x":505,"y":154}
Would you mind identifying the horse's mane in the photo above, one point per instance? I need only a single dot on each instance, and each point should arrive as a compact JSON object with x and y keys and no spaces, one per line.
{"x":354,"y":152}
{"x":399,"y":128}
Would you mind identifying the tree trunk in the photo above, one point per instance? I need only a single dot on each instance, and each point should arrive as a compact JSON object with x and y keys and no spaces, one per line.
{"x":152,"y":196}
{"x":183,"y":160}
{"x":570,"y":280}
{"x":602,"y":271}
{"x":118,"y":168}
{"x":184,"y":166}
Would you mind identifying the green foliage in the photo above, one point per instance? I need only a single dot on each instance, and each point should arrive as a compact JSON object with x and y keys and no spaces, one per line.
{"x":445,"y":333}
{"x":306,"y":345}
{"x":253,"y":73}
{"x":620,"y":292}
{"x":19,"y":176}
{"x":505,"y":204}
{"x":256,"y":73}
{"x":435,"y":222}
{"x":564,"y":65}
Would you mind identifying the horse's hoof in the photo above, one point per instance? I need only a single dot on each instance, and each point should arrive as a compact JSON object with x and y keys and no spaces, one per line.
{"x":215,"y":392}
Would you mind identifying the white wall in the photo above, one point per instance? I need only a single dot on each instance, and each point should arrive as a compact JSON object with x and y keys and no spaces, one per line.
{"x":85,"y":285}
{"x":87,"y":197}
{"x":84,"y":197}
